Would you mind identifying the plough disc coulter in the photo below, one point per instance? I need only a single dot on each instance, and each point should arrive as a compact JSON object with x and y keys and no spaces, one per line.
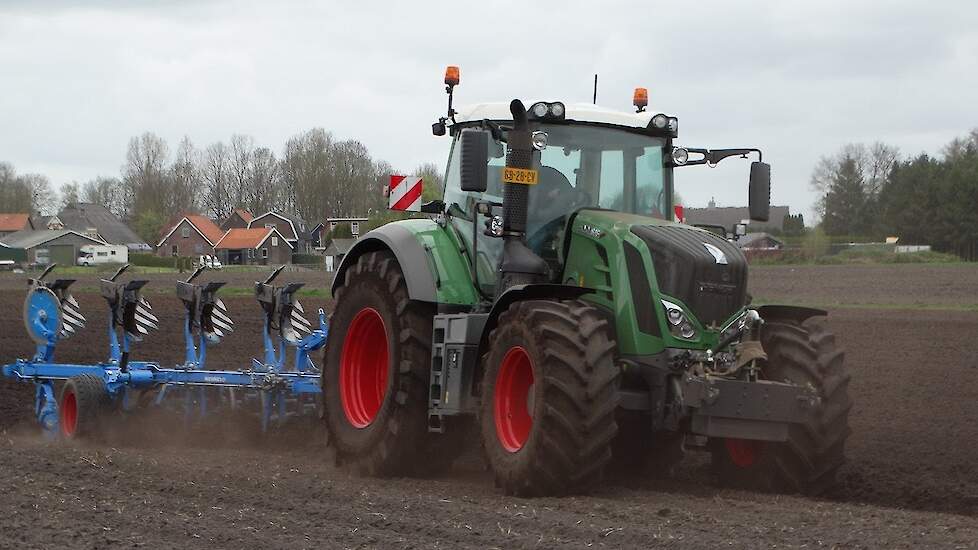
{"x":90,"y":395}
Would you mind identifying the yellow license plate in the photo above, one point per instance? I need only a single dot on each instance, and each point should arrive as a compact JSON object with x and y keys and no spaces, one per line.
{"x":520,"y":175}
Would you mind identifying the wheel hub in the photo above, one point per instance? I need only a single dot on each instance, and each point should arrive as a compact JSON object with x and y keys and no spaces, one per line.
{"x":513,"y":399}
{"x":364,"y":368}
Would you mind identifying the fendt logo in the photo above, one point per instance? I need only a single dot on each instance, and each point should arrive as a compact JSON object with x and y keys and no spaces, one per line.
{"x":718,"y":254}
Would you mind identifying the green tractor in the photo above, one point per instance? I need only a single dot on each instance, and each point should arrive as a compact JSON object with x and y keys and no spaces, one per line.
{"x":552,"y":305}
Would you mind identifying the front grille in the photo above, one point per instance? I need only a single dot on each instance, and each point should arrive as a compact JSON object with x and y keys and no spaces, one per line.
{"x":686,"y":269}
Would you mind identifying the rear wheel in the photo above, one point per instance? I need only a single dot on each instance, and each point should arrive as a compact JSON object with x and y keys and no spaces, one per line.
{"x":549,"y":395}
{"x":376,"y":372}
{"x":804,"y":354}
{"x":82,"y":407}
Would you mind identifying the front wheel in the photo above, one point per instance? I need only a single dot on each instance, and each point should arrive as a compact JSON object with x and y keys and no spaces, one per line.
{"x":549,"y":395}
{"x":376,"y":372}
{"x":803,"y":354}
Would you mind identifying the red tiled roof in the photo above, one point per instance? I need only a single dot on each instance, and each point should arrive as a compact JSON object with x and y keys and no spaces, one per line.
{"x":14,"y":222}
{"x":244,"y":214}
{"x":209,"y":229}
{"x":236,"y":239}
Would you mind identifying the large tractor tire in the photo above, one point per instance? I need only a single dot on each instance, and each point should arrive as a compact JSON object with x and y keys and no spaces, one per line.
{"x":83,"y":407}
{"x":805,"y":354}
{"x":549,"y":394}
{"x":376,"y":373}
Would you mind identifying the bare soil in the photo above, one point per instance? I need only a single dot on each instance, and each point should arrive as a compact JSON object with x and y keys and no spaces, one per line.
{"x":911,"y":479}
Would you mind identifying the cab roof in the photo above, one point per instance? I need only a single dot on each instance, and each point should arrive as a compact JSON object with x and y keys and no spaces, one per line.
{"x":579,"y":112}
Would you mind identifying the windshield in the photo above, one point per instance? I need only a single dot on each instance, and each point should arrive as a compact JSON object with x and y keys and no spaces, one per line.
{"x":583,"y":166}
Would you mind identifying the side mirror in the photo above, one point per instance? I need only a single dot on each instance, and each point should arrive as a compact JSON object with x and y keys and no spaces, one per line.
{"x":475,"y":158}
{"x":759,"y":192}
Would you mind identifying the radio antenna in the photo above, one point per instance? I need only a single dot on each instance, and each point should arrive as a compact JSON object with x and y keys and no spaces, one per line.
{"x":594,"y":100}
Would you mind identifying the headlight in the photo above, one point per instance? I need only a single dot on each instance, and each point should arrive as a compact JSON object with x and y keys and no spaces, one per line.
{"x":660,"y":121}
{"x":543,"y":110}
{"x":679,"y":325}
{"x":673,"y":124}
{"x":680,"y":156}
{"x":539,"y":140}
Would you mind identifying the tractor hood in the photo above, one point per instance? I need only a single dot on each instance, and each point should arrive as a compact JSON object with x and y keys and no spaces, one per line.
{"x":707,"y":273}
{"x":703,"y":272}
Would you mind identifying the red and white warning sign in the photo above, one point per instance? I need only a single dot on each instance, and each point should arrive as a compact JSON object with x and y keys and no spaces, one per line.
{"x":405,"y":193}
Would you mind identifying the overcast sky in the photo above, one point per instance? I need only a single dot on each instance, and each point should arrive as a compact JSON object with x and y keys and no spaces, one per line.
{"x":78,"y":79}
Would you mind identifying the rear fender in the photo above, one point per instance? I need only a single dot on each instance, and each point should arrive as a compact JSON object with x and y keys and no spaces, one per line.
{"x":432,"y":262}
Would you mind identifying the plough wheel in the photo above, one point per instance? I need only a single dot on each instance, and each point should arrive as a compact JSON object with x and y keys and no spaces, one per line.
{"x":82,"y":407}
{"x":549,"y":398}
{"x":376,"y":372}
{"x":802,"y":353}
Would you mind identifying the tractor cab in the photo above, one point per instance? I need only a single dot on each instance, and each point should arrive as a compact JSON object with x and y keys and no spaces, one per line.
{"x":589,"y":158}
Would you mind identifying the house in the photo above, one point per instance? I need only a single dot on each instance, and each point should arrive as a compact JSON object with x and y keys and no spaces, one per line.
{"x":728,"y":216}
{"x":99,"y":222}
{"x":48,"y":246}
{"x":254,"y":246}
{"x":291,"y":227}
{"x":192,"y":236}
{"x":354,"y":224}
{"x":759,"y":241}
{"x":238,"y":219}
{"x":12,"y":223}
{"x":336,"y":250}
{"x":48,"y":222}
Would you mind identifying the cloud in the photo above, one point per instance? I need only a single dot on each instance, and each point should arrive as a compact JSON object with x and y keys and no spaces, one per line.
{"x":797,"y":80}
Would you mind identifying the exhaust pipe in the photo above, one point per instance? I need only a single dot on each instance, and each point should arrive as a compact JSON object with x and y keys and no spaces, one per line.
{"x":519,"y":265}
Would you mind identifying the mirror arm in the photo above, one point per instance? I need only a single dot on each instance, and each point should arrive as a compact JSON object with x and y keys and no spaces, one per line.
{"x":714,"y":156}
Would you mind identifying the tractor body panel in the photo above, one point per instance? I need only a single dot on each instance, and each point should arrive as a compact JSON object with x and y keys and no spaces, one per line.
{"x":430,"y":257}
{"x":612,"y":253}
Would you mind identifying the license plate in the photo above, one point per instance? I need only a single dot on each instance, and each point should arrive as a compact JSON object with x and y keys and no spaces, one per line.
{"x":520,"y":175}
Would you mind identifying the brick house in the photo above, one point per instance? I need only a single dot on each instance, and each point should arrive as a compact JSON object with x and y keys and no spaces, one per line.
{"x":238,"y":219}
{"x":254,"y":246}
{"x":192,"y":236}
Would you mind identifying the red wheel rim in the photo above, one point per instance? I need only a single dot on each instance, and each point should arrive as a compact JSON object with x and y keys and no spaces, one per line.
{"x":511,"y":407}
{"x":364,"y":366}
{"x":69,"y":414}
{"x":743,"y":452}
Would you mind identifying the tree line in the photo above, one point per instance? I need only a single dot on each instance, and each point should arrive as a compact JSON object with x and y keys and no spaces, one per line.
{"x":316,"y":176}
{"x":870,"y":191}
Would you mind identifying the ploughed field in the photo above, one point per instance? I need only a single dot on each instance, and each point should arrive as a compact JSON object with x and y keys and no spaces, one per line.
{"x":911,"y":479}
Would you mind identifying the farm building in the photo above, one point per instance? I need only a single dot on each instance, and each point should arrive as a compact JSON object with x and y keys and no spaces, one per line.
{"x":238,"y":219}
{"x":759,"y":241}
{"x":336,"y":250}
{"x":10,"y":256}
{"x":255,"y":246}
{"x":728,"y":216}
{"x":192,"y":236}
{"x":12,"y":223}
{"x":50,"y":246}
{"x":97,"y":221}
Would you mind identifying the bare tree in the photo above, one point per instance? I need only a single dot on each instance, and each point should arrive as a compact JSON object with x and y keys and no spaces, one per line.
{"x":216,"y":174}
{"x":185,"y":179}
{"x":144,"y":176}
{"x":70,"y":193}
{"x":106,"y":192}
